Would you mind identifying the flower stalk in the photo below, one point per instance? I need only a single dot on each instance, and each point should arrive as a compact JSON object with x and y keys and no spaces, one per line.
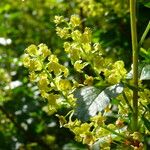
{"x":134,"y":121}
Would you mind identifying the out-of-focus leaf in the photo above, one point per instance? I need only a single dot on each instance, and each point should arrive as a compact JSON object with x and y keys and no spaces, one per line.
{"x":145,"y":74}
{"x":39,"y":127}
{"x":115,"y":101}
{"x":73,"y":146}
{"x":147,"y":4}
{"x":92,"y":100}
{"x":146,"y":123}
{"x":148,"y":106}
{"x":96,"y":145}
{"x":145,"y":54}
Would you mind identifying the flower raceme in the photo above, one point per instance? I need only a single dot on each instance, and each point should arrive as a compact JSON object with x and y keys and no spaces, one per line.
{"x":57,"y":82}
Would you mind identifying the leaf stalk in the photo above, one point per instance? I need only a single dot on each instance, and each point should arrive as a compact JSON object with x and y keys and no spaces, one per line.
{"x":144,"y":34}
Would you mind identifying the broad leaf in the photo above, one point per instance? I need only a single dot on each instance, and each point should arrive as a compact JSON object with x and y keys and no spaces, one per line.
{"x":91,"y":100}
{"x":145,"y":74}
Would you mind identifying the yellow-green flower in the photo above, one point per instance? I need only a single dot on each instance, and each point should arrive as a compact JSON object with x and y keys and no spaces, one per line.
{"x":62,"y":32}
{"x":64,"y":85}
{"x":43,"y":83}
{"x":62,"y":120}
{"x":79,"y":65}
{"x":67,"y":46}
{"x":53,"y":58}
{"x":26,"y":60}
{"x":88,"y":138}
{"x":116,"y":73}
{"x":35,"y":65}
{"x":58,"y":19}
{"x":43,"y":50}
{"x":52,"y":99}
{"x":57,"y":69}
{"x":76,"y":35}
{"x":32,"y":76}
{"x":98,"y":120}
{"x":86,"y":38}
{"x":89,"y":80}
{"x":32,"y":50}
{"x":75,"y":21}
{"x":87,"y":47}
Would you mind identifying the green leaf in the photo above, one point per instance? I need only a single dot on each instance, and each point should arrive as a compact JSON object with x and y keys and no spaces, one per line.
{"x":146,"y":123}
{"x":39,"y":128}
{"x":145,"y":54}
{"x":73,"y":146}
{"x":145,"y":74}
{"x":91,"y":100}
{"x":115,"y":101}
{"x":147,"y":4}
{"x":96,"y":145}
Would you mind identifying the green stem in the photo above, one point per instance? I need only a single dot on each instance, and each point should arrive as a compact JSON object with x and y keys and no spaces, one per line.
{"x":127,"y":102}
{"x":52,"y":80}
{"x":144,"y":34}
{"x":114,"y":132}
{"x":134,"y":121}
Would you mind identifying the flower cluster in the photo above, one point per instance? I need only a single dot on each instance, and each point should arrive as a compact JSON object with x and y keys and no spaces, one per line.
{"x":49,"y":74}
{"x":116,"y":73}
{"x":58,"y":84}
{"x":94,"y":8}
{"x":82,"y":52}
